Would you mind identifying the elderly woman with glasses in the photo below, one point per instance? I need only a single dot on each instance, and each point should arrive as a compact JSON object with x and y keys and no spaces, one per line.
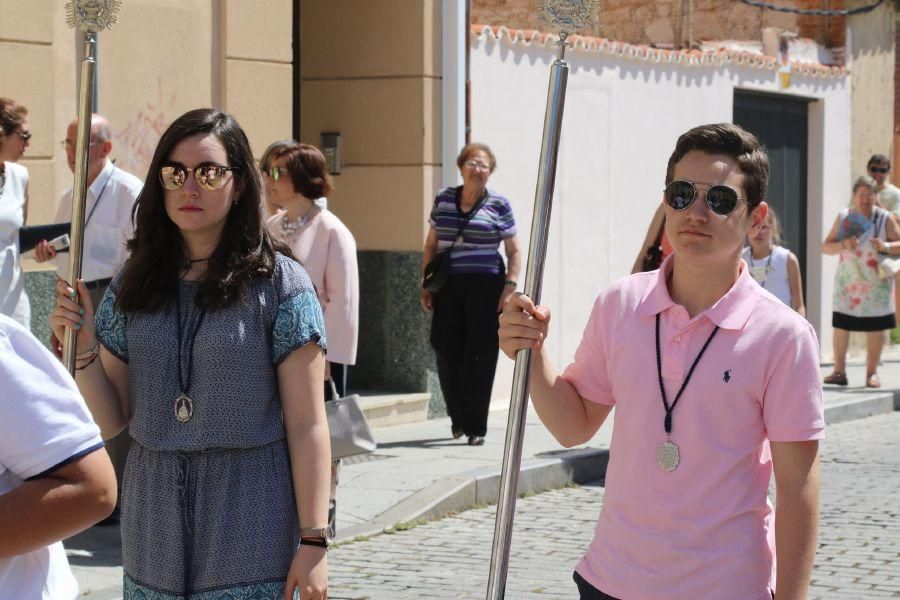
{"x":14,"y":137}
{"x":469,"y":222}
{"x":209,"y":345}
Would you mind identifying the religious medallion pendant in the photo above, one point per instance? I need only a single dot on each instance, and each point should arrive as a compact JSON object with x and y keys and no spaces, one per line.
{"x":184,"y":408}
{"x":668,"y":456}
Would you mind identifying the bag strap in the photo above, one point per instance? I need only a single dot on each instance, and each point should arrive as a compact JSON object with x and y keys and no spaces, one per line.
{"x":469,"y":215}
{"x":659,"y":234}
{"x":334,"y":393}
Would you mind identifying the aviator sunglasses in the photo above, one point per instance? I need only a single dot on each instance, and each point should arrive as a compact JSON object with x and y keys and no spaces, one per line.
{"x":720,"y":199}
{"x":209,"y":176}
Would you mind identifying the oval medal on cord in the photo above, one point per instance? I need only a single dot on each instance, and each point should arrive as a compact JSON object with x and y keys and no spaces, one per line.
{"x":668,"y":455}
{"x":184,"y":406}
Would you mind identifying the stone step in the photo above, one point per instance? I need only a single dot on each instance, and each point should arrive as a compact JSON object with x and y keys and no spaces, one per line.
{"x":385,"y":410}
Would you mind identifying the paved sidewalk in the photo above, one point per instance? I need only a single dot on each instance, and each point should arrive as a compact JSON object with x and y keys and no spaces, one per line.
{"x":419,"y":472}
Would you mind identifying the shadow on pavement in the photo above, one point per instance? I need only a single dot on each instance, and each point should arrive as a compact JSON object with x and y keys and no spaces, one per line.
{"x":99,"y":546}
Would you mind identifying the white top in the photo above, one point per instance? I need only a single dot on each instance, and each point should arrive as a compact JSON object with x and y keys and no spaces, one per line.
{"x":771,"y":272}
{"x":113,"y":193}
{"x":44,"y":424}
{"x":890,"y":197}
{"x":13,"y":300}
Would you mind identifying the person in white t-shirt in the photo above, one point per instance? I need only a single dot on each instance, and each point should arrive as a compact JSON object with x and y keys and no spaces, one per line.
{"x":55,"y":479}
{"x":772,"y":265}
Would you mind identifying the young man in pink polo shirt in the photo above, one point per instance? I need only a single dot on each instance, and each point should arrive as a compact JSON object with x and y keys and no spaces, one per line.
{"x":716,"y":383}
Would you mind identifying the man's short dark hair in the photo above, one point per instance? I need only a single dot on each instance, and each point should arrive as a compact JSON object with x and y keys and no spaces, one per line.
{"x":878,"y":159}
{"x":731,"y":140}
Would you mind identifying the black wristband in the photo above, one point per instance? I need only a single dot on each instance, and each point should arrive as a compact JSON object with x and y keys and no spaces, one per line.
{"x":511,"y":283}
{"x":319,"y":543}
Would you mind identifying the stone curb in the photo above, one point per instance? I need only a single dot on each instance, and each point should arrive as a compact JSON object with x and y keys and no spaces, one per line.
{"x":461,"y":492}
{"x":458,"y":493}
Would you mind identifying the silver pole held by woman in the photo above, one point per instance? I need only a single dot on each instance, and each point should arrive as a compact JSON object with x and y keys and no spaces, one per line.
{"x":89,"y":16}
{"x":565,"y":16}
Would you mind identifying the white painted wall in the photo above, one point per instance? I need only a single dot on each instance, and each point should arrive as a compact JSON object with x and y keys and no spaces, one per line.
{"x":621,"y":121}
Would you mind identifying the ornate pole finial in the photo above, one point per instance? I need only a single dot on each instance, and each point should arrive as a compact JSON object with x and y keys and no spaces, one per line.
{"x":567,"y":16}
{"x":91,"y":16}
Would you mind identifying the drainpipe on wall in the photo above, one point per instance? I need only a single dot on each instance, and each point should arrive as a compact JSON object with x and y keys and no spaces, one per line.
{"x":454,"y":29}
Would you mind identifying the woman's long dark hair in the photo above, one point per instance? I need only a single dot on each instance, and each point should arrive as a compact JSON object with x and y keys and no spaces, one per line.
{"x":150,"y":276}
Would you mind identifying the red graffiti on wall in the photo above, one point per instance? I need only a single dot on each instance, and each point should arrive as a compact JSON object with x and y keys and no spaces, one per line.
{"x":137,"y":141}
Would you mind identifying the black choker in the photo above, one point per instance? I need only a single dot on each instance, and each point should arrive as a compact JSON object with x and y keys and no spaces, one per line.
{"x":192,"y":261}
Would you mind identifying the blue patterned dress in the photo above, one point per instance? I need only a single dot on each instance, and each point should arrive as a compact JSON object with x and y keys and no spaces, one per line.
{"x":208,"y":509}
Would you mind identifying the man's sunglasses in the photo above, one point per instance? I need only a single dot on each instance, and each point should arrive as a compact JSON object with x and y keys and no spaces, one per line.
{"x":209,"y":176}
{"x":720,"y":199}
{"x":276,"y":173}
{"x":880,"y":169}
{"x":25,"y":135}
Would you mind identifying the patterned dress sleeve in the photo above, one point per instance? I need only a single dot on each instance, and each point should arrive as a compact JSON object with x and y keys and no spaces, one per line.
{"x":110,"y":324}
{"x":298,"y":322}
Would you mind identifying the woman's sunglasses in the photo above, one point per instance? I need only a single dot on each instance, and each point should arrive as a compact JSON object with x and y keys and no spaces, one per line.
{"x":720,"y":199}
{"x":276,"y":173}
{"x":209,"y":176}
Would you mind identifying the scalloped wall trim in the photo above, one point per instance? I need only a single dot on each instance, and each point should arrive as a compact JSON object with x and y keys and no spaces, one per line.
{"x":715,"y":58}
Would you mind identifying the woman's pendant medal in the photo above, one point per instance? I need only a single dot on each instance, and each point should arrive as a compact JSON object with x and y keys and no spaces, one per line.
{"x":184,"y":406}
{"x":668,"y":455}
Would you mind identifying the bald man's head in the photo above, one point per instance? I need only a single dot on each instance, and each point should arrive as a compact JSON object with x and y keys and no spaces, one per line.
{"x":99,"y":149}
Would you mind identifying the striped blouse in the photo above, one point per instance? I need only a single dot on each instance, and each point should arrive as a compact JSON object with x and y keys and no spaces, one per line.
{"x":477,"y":251}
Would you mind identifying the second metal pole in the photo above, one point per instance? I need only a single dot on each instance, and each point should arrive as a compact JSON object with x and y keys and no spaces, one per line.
{"x":534,"y":271}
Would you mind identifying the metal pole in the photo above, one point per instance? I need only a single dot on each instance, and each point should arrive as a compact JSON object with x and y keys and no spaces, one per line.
{"x":534,"y":271}
{"x":79,"y":188}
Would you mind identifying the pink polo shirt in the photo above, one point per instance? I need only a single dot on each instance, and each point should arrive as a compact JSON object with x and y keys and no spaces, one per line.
{"x":705,"y":530}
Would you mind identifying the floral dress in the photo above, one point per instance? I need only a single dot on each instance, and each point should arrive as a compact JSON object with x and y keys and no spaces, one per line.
{"x":208,"y":508}
{"x":863,"y":297}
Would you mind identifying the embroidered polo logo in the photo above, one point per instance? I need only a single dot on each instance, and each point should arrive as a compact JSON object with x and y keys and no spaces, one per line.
{"x":726,"y":376}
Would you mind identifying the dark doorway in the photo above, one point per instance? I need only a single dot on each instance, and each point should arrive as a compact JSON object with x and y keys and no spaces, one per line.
{"x":780,"y":123}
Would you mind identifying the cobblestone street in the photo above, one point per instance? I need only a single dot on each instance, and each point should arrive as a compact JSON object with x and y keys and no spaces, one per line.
{"x":859,"y":551}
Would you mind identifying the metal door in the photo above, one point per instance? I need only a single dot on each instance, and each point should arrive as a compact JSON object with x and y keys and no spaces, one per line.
{"x":780,"y":123}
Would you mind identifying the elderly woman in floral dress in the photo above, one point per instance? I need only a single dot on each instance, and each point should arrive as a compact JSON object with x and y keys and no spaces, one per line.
{"x":863,"y":295}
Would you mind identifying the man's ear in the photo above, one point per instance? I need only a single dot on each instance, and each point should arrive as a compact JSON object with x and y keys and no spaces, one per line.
{"x":759,"y":214}
{"x":106,"y":148}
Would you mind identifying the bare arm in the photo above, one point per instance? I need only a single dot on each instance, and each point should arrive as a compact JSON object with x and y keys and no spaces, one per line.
{"x":796,"y":515}
{"x":831,"y":245}
{"x":655,"y":223}
{"x":428,"y":253}
{"x":513,"y":266}
{"x":571,"y":419}
{"x":796,"y":285}
{"x":104,"y":382}
{"x":300,"y":378}
{"x":51,"y":508}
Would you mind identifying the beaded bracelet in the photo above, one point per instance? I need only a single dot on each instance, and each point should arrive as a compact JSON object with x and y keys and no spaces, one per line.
{"x":92,"y":350}
{"x":88,"y":363}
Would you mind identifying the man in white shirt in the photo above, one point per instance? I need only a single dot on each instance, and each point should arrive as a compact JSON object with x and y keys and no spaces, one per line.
{"x":108,"y":225}
{"x":111,"y":195}
{"x":54,"y":479}
{"x":888,"y":195}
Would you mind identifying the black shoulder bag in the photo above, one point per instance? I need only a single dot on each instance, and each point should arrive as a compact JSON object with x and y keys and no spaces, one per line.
{"x":437,"y":271}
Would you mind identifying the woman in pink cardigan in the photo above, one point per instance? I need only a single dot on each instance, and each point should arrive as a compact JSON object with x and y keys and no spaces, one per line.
{"x":296,"y":178}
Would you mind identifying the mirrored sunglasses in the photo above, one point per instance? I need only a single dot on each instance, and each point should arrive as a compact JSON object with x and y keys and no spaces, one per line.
{"x":720,"y":199}
{"x":209,"y":176}
{"x":276,"y":173}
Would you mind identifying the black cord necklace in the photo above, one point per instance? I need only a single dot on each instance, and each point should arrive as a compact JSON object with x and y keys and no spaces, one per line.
{"x":668,"y":455}
{"x":193,"y":261}
{"x":184,"y":406}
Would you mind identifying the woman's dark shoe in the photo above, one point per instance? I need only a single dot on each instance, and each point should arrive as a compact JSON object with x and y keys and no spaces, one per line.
{"x":837,"y":378}
{"x":476,"y":440}
{"x":456,"y":433}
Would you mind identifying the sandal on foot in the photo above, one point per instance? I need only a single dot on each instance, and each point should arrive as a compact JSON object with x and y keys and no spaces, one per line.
{"x":837,"y":378}
{"x":476,"y":440}
{"x":456,"y":433}
{"x":873,"y":381}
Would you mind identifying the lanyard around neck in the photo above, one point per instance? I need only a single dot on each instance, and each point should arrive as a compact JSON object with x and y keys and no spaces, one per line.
{"x":667,"y":423}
